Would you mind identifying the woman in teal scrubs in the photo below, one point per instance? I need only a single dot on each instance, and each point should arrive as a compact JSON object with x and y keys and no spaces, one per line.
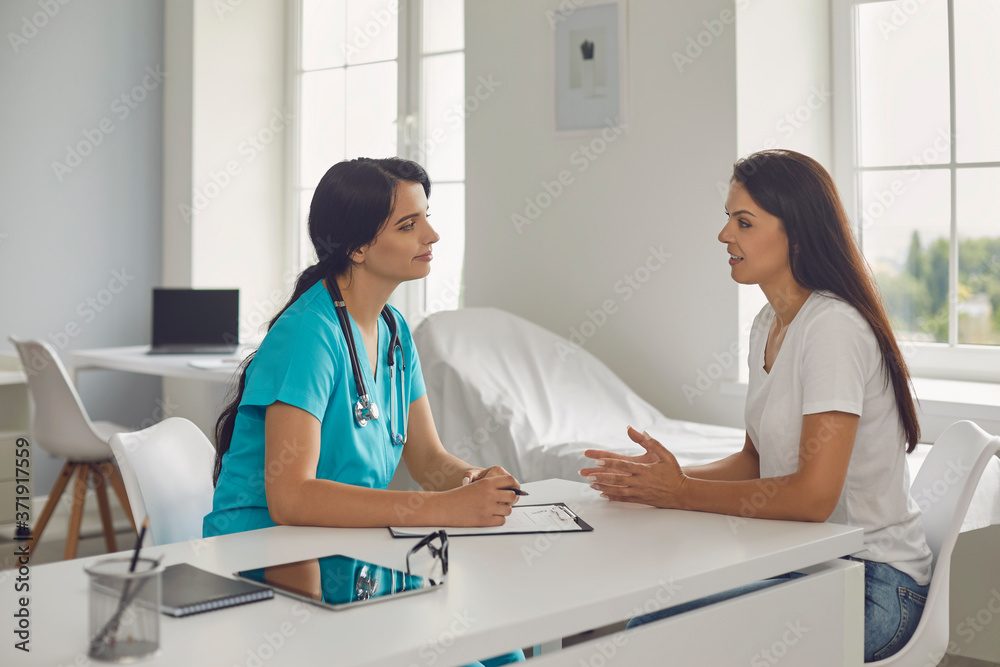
{"x":290,"y":450}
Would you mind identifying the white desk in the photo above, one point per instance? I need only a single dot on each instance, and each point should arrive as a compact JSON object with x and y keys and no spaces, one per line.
{"x":503,"y":592}
{"x":193,"y":393}
{"x":135,"y":359}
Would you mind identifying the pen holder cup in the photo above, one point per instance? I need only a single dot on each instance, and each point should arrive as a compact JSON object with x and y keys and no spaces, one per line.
{"x":124,"y":609}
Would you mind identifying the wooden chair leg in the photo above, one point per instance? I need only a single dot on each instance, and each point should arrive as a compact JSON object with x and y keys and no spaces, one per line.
{"x":50,"y":505}
{"x":101,"y":490}
{"x":110,"y":471}
{"x":76,"y":514}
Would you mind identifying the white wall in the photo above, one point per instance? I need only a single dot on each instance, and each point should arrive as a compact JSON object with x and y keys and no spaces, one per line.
{"x":652,"y":187}
{"x":66,"y":232}
{"x":784,"y":92}
{"x":226,"y":126}
{"x":226,"y":129}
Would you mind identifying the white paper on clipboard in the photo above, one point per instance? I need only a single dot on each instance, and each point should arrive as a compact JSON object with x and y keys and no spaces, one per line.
{"x":540,"y":518}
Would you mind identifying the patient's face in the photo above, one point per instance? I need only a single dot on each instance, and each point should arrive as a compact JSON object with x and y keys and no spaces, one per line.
{"x":757,"y":240}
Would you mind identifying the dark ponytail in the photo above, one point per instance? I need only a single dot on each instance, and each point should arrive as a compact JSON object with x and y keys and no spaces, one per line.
{"x":351,"y":204}
{"x":823,"y":254}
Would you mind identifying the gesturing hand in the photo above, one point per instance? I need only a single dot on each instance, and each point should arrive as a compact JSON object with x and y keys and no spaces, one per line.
{"x":653,"y":478}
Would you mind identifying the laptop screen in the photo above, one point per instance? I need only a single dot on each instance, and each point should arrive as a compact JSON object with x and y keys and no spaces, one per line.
{"x":195,"y":316}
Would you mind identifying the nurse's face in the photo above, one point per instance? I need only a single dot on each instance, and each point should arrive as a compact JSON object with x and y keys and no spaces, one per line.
{"x":756,"y":241}
{"x":402,"y":250}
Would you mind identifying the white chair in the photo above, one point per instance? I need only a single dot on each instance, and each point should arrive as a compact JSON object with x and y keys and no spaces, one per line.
{"x":167,"y":470}
{"x":60,"y":425}
{"x":943,"y":488}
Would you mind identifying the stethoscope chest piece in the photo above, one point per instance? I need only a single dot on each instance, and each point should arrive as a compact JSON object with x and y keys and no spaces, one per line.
{"x":365,"y":410}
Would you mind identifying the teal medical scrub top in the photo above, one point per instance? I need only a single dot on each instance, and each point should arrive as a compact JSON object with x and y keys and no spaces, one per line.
{"x":304,"y":361}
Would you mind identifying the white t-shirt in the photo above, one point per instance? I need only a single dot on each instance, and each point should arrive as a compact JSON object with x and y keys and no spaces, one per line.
{"x":830,"y":360}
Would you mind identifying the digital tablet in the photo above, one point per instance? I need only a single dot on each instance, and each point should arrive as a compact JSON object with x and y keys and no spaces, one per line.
{"x":339,"y":581}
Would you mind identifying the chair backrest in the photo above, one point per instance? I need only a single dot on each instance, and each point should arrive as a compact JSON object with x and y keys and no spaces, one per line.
{"x":60,"y":424}
{"x":943,"y":490}
{"x":167,"y":470}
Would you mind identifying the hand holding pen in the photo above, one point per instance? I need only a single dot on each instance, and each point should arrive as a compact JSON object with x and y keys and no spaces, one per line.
{"x":492,"y":471}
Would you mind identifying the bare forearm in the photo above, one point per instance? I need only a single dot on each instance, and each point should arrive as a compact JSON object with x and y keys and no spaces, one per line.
{"x":787,"y":497}
{"x":320,"y":502}
{"x":440,"y":472}
{"x":738,"y":466}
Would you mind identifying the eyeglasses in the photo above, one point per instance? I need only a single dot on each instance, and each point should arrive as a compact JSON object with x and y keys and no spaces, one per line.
{"x":437,"y":545}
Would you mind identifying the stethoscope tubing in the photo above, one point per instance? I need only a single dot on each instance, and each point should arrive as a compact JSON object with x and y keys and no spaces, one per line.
{"x":366,"y":409}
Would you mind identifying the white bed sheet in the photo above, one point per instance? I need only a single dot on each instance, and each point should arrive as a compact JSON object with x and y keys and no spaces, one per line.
{"x":508,"y":392}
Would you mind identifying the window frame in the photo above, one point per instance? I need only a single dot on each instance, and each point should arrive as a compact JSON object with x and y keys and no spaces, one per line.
{"x":952,"y":360}
{"x":410,"y":297}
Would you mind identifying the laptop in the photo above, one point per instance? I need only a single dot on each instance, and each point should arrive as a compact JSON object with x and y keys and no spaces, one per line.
{"x":195,"y":321}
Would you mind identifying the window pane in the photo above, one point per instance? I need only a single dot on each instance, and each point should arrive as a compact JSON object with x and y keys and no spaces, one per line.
{"x":447,"y":207}
{"x":903,"y":83}
{"x":978,"y":257}
{"x":323,"y":31}
{"x":372,"y":27}
{"x":307,"y":254}
{"x":444,"y":25}
{"x":443,"y":120}
{"x":905,"y":236}
{"x":371,"y":114}
{"x":977,"y":80}
{"x":322,"y":125}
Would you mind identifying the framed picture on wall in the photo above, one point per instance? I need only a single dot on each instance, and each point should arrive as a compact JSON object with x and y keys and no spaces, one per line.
{"x":589,"y":80}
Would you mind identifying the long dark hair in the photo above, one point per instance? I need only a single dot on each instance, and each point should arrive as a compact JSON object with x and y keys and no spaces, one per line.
{"x":349,"y":208}
{"x":823,"y":254}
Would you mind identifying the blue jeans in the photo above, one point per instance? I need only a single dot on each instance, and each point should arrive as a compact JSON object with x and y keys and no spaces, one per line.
{"x":893,"y":605}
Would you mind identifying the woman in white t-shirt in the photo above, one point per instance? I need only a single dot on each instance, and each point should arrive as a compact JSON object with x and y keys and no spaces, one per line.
{"x":829,"y":415}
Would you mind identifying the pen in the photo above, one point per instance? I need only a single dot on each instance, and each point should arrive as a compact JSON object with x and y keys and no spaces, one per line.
{"x":517,"y":492}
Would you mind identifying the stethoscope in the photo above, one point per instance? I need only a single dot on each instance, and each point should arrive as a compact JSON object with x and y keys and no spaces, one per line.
{"x":365,"y":409}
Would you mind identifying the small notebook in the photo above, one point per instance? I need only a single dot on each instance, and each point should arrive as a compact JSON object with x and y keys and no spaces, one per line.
{"x":191,"y":590}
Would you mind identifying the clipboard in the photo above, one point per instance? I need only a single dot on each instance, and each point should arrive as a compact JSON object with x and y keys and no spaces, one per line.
{"x":523,"y":520}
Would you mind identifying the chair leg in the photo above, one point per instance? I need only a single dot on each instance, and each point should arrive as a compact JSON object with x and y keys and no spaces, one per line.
{"x":114,"y":478}
{"x":76,"y":514}
{"x":101,"y":490}
{"x":50,"y":505}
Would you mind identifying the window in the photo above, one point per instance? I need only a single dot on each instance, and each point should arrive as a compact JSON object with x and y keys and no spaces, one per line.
{"x":918,"y":162}
{"x":379,"y":78}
